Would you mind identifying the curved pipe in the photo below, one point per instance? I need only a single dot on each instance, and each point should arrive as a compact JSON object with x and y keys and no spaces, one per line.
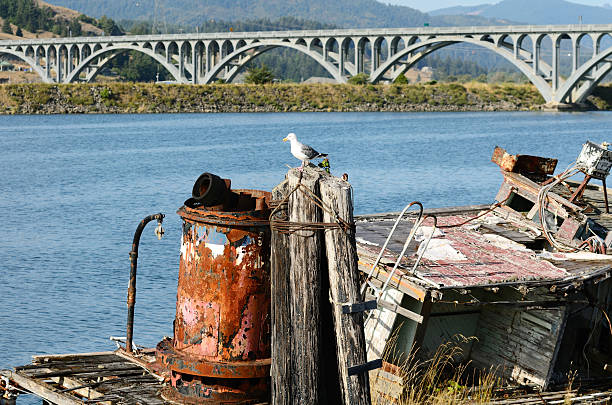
{"x":417,"y":225}
{"x":131,"y":298}
{"x":382,"y":250}
{"x":420,"y":256}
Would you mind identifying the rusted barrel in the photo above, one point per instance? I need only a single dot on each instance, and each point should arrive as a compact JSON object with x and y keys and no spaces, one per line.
{"x":221,"y":347}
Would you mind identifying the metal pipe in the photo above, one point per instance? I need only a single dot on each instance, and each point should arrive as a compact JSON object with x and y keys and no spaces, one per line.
{"x":131,"y":298}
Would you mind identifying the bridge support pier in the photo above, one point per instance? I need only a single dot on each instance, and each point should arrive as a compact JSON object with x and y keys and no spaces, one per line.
{"x":565,"y":107}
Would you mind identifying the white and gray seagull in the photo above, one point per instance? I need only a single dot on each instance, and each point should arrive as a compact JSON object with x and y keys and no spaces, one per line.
{"x":302,"y":152}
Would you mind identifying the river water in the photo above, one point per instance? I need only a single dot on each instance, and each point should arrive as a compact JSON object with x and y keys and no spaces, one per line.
{"x":73,"y":189}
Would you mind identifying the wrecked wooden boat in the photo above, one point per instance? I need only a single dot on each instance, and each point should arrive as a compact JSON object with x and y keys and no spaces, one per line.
{"x":527,"y":277}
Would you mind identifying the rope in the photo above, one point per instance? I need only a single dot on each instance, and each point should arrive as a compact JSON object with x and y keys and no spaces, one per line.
{"x":482,"y":214}
{"x":287,"y":227}
{"x":543,"y":198}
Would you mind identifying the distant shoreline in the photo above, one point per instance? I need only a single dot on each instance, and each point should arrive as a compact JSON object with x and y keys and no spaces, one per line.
{"x":144,"y":98}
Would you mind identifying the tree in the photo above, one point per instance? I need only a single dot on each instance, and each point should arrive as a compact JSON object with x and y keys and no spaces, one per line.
{"x":109,"y":26}
{"x":75,"y":28}
{"x":141,"y":68}
{"x":259,"y":75}
{"x":360,"y":78}
{"x":401,"y":79}
{"x":6,"y":27}
{"x":18,"y":32}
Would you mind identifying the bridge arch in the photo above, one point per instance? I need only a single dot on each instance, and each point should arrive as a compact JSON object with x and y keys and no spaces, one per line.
{"x":117,"y":50}
{"x":20,"y":55}
{"x":585,"y":90}
{"x":439,"y":43}
{"x":265,"y":46}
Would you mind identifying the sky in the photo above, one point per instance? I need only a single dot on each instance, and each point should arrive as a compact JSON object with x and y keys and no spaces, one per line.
{"x":429,"y":5}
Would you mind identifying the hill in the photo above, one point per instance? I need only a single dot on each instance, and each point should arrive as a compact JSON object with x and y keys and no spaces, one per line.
{"x":37,"y":19}
{"x":342,"y":13}
{"x":535,"y":12}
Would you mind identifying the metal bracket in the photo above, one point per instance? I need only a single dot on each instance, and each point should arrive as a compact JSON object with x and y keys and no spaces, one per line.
{"x":359,"y":307}
{"x":362,"y":368}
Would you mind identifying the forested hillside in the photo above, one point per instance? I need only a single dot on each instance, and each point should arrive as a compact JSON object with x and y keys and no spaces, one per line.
{"x":39,"y":18}
{"x":537,"y":12}
{"x":342,"y":13}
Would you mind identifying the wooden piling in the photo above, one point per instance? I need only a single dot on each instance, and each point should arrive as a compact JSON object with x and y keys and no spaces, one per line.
{"x":341,"y":252}
{"x":281,"y":312}
{"x":305,"y":247}
{"x":303,"y":332}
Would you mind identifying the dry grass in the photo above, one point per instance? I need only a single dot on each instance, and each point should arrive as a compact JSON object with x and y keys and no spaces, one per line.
{"x":441,"y":379}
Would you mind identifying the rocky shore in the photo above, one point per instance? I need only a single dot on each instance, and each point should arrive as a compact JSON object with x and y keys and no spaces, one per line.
{"x":165,"y":98}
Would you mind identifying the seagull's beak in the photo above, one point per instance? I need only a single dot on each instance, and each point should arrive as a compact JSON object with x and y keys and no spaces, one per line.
{"x":285,"y":139}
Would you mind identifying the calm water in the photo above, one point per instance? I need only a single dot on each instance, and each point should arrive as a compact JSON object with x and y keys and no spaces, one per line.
{"x":73,"y":189}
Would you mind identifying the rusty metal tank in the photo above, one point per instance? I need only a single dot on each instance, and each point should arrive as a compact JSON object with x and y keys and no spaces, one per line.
{"x":220,"y":352}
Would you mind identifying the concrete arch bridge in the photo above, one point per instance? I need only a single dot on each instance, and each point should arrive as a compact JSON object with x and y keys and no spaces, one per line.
{"x":582,"y":52}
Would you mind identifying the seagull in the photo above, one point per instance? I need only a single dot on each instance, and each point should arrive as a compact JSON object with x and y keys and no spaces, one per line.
{"x":302,"y":152}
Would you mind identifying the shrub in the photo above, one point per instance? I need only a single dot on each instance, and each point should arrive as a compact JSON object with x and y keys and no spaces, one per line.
{"x":260,"y":75}
{"x":106,"y":93}
{"x":401,"y":79}
{"x":359,"y":79}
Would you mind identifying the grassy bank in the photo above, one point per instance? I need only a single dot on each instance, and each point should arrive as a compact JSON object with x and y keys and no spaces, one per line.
{"x":163,"y":98}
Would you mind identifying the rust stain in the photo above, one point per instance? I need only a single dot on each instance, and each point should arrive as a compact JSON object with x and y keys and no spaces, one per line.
{"x":222,"y":325}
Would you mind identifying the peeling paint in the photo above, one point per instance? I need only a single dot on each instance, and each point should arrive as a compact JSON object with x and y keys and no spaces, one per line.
{"x":222,"y":326}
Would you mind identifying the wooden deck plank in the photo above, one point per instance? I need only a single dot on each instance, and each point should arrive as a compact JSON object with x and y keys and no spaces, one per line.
{"x":41,"y":358}
{"x":77,"y":386}
{"x":40,"y":388}
{"x":101,"y":377}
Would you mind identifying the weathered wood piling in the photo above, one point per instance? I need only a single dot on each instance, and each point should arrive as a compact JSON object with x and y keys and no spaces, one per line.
{"x":314,"y":260}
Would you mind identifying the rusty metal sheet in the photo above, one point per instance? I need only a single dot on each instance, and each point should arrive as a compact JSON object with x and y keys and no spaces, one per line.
{"x":524,"y":164}
{"x":184,"y":363}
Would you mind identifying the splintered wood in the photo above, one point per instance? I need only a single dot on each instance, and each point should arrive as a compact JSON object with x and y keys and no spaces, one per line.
{"x":104,"y":378}
{"x":311,"y":265}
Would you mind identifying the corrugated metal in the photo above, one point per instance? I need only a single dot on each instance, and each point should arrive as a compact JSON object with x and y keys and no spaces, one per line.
{"x":484,"y":262}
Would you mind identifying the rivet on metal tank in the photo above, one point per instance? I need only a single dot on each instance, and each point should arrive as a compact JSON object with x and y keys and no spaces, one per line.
{"x":220,"y":352}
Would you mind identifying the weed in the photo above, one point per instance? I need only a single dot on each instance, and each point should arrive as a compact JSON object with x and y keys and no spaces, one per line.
{"x":441,"y":379}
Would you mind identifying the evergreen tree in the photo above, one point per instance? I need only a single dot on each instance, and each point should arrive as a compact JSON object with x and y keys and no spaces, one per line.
{"x":75,"y":28}
{"x":109,"y":26}
{"x":18,"y":32}
{"x":260,"y":75}
{"x":6,"y":26}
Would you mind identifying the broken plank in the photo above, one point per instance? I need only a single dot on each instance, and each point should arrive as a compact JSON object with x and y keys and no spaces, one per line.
{"x":40,"y":389}
{"x":71,"y":356}
{"x":139,"y":362}
{"x":397,"y":282}
{"x":78,"y":386}
{"x":58,"y":372}
{"x":398,"y":310}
